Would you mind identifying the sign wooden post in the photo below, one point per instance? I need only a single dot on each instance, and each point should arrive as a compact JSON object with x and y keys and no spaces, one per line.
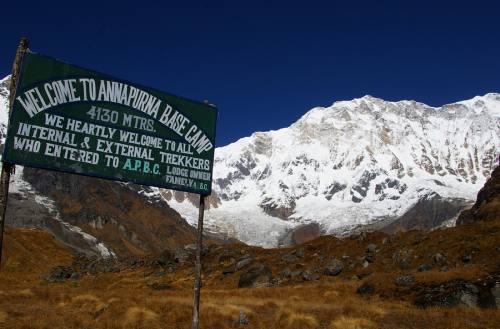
{"x":197,"y":272}
{"x":6,"y":166}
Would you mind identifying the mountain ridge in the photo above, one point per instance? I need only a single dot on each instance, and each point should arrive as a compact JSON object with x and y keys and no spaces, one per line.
{"x":360,"y":162}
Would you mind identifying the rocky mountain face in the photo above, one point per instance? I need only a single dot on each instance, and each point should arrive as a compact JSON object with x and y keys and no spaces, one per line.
{"x":487,"y":206}
{"x":356,"y":164}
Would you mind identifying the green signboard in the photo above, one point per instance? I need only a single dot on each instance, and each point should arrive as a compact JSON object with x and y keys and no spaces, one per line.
{"x":76,"y":120}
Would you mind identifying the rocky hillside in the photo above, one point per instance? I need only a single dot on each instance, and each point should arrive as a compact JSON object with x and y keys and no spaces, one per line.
{"x":487,"y":206}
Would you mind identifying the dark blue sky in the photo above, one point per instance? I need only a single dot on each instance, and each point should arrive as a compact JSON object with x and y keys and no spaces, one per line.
{"x":264,"y":64}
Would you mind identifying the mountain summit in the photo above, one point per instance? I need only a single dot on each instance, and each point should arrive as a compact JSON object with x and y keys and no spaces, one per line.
{"x":361,"y":162}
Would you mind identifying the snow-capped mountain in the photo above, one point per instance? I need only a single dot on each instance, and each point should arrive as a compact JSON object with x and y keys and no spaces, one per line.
{"x":361,"y":162}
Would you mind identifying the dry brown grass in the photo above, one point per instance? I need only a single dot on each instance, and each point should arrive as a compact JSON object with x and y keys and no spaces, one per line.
{"x":293,"y":320}
{"x":3,"y":316}
{"x":344,"y":322}
{"x":124,"y":300}
{"x":140,"y":317}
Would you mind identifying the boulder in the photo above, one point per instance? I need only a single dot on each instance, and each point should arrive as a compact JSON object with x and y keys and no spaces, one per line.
{"x":405,"y":280}
{"x":310,"y":276}
{"x":401,"y":258}
{"x":258,"y":276}
{"x":61,"y":274}
{"x":450,"y":295}
{"x":286,"y":273}
{"x":439,"y":259}
{"x":229,"y":270}
{"x":404,"y":264}
{"x":371,"y":248}
{"x":167,"y":257}
{"x":186,"y":253}
{"x":366,"y":289}
{"x":243,"y":263}
{"x":466,"y":258}
{"x":424,"y":268}
{"x":242,"y":318}
{"x":289,"y":258}
{"x":495,"y":292}
{"x":468,"y":295}
{"x":334,"y":268}
{"x":299,"y":253}
{"x":183,"y":255}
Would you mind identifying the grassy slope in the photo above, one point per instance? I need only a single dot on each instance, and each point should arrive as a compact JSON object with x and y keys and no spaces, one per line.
{"x":124,"y":300}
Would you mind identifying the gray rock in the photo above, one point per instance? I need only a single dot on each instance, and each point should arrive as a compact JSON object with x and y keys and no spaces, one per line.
{"x":451,"y":295}
{"x":366,"y":289}
{"x":405,"y":280}
{"x":275,"y":282}
{"x":289,"y":258}
{"x":400,"y":258}
{"x":468,"y":299}
{"x":286,"y":273}
{"x":371,"y":248}
{"x":468,"y":295}
{"x":469,"y":287}
{"x":182,"y":255}
{"x":190,"y":247}
{"x":334,"y":268}
{"x":299,"y":253}
{"x":166,"y":258}
{"x":245,"y":255}
{"x":75,"y":276}
{"x":159,"y":274}
{"x":243,"y":318}
{"x":370,"y":258}
{"x":439,"y":259}
{"x":495,"y":292}
{"x":229,"y":270}
{"x":242,"y":263}
{"x":309,"y":276}
{"x":466,"y":258}
{"x":61,"y":274}
{"x":258,"y":276}
{"x":424,"y":268}
{"x":404,"y":264}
